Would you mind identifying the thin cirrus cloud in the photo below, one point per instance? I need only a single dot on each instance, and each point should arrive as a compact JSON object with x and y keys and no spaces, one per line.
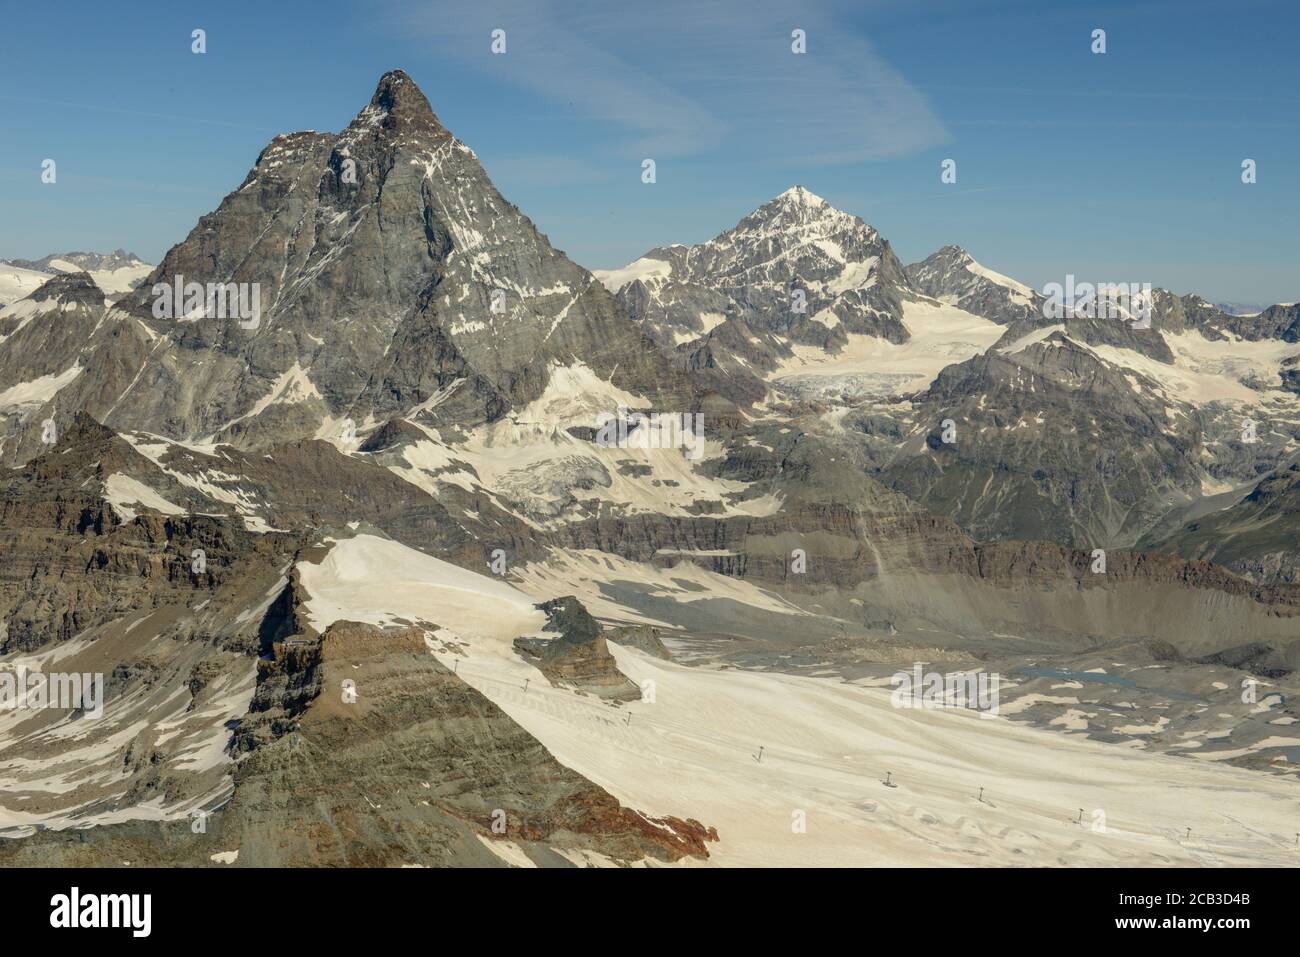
{"x":661,"y":76}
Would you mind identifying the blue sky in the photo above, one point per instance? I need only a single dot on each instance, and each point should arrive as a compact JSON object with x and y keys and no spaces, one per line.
{"x":1119,"y":167}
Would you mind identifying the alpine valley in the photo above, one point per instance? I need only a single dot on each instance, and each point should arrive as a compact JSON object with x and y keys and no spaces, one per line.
{"x":368,"y":586}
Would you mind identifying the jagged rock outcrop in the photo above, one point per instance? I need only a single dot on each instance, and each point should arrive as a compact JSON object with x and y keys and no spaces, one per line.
{"x":578,"y":658}
{"x":645,"y":638}
{"x":170,"y":606}
{"x":42,"y":339}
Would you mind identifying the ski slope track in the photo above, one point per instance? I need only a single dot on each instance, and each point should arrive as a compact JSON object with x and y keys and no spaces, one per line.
{"x":694,"y":751}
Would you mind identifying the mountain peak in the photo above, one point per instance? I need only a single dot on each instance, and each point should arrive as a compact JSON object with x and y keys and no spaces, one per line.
{"x":70,"y":287}
{"x":397,"y":105}
{"x":397,"y":92}
{"x":800,"y":208}
{"x":952,"y":274}
{"x":798,"y":196}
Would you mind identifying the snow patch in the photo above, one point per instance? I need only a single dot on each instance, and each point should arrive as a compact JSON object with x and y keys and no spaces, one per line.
{"x":122,"y":490}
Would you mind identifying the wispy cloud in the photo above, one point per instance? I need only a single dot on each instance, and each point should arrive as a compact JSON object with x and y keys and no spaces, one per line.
{"x":663,"y":75}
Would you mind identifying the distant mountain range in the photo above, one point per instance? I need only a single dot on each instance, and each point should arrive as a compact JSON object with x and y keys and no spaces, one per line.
{"x":80,"y":262}
{"x":900,"y":350}
{"x":1241,"y":308}
{"x":115,"y":273}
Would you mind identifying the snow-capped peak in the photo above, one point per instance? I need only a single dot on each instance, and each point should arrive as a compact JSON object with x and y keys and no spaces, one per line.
{"x":795,"y":217}
{"x":952,"y":266}
{"x":952,"y":275}
{"x":796,"y":237}
{"x":798,"y":196}
{"x":954,"y":254}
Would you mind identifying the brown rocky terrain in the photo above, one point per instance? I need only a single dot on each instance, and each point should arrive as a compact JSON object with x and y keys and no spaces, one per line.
{"x":578,"y":658}
{"x":414,"y":771}
{"x":73,"y":562}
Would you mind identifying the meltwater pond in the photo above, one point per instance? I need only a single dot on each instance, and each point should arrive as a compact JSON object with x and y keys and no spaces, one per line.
{"x":1101,"y":677}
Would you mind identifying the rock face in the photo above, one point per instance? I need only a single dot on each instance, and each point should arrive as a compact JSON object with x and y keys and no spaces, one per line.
{"x":1050,"y":443}
{"x":389,"y":272}
{"x":579,"y":658}
{"x":72,"y":560}
{"x":645,"y":638}
{"x":1258,"y":536}
{"x":311,"y":484}
{"x":795,"y":271}
{"x":1280,"y":322}
{"x":42,"y":339}
{"x":171,"y":608}
{"x":1098,"y":431}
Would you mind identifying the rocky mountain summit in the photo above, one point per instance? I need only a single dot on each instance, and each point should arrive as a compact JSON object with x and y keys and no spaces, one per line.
{"x":951,"y":275}
{"x":795,"y":271}
{"x":389,"y":274}
{"x":578,"y":657}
